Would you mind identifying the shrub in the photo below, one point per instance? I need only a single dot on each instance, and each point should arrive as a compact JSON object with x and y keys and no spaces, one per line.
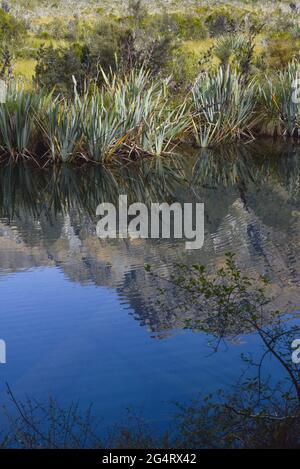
{"x":147,"y":51}
{"x":56,"y":66}
{"x":281,"y":49}
{"x":11,"y":29}
{"x":183,"y":66}
{"x":222,"y":20}
{"x":184,"y":26}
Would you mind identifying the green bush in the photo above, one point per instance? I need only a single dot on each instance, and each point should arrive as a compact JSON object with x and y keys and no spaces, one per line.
{"x":183,"y":66}
{"x":222,"y":20}
{"x":281,"y":48}
{"x":56,"y":66}
{"x":11,"y":29}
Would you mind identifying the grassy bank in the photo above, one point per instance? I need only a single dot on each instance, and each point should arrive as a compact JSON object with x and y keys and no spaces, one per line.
{"x":97,"y":84}
{"x":136,"y":116}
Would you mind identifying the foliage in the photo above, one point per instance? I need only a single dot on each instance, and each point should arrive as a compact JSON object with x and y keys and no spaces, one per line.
{"x":142,"y":110}
{"x":223,"y":107}
{"x":223,"y":19}
{"x":236,"y":51}
{"x":11,"y":29}
{"x":280,"y":50}
{"x":61,"y":124}
{"x":182,"y":25}
{"x":56,"y":67}
{"x":257,"y":413}
{"x":17,"y":128}
{"x":281,"y":113}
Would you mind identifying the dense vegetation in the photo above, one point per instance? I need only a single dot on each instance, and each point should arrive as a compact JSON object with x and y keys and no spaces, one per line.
{"x":99,"y":84}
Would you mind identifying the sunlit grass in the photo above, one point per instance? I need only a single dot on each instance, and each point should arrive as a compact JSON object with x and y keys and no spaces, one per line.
{"x":44,"y":20}
{"x":25,"y":68}
{"x":198,"y":45}
{"x":35,"y":42}
{"x":201,"y":46}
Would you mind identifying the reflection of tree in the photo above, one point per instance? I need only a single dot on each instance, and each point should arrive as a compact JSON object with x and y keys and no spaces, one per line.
{"x":46,"y":215}
{"x":258,"y":413}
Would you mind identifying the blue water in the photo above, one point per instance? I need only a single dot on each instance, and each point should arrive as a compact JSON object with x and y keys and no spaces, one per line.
{"x":79,"y":317}
{"x":80,"y":343}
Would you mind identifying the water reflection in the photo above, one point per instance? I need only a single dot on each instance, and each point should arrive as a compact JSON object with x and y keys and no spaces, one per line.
{"x":252,"y":207}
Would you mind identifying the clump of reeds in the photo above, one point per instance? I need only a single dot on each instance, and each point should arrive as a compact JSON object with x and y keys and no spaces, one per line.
{"x":223,"y":107}
{"x":134,"y":116}
{"x":17,"y":128}
{"x":129,"y":117}
{"x":280,"y":107}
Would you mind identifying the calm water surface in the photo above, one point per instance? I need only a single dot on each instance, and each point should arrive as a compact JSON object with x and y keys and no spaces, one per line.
{"x":79,"y":315}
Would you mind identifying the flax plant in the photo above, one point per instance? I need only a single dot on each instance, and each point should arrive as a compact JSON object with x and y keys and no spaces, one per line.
{"x":101,"y":129}
{"x":17,"y":126}
{"x":61,"y":125}
{"x":279,"y":107}
{"x":223,"y":107}
{"x":147,"y":122}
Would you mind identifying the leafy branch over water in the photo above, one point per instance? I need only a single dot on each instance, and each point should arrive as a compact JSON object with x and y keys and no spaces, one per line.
{"x":258,"y":412}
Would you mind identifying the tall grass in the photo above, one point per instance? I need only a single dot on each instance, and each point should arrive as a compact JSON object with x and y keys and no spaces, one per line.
{"x":61,"y":125}
{"x":17,"y":128}
{"x":135,"y":116}
{"x":224,"y":107}
{"x":131,"y":116}
{"x":280,"y":112}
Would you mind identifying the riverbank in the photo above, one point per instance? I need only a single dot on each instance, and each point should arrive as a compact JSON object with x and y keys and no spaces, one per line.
{"x":135,"y":116}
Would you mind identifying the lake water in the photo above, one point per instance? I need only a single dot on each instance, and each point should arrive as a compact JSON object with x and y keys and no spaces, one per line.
{"x":79,"y":315}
